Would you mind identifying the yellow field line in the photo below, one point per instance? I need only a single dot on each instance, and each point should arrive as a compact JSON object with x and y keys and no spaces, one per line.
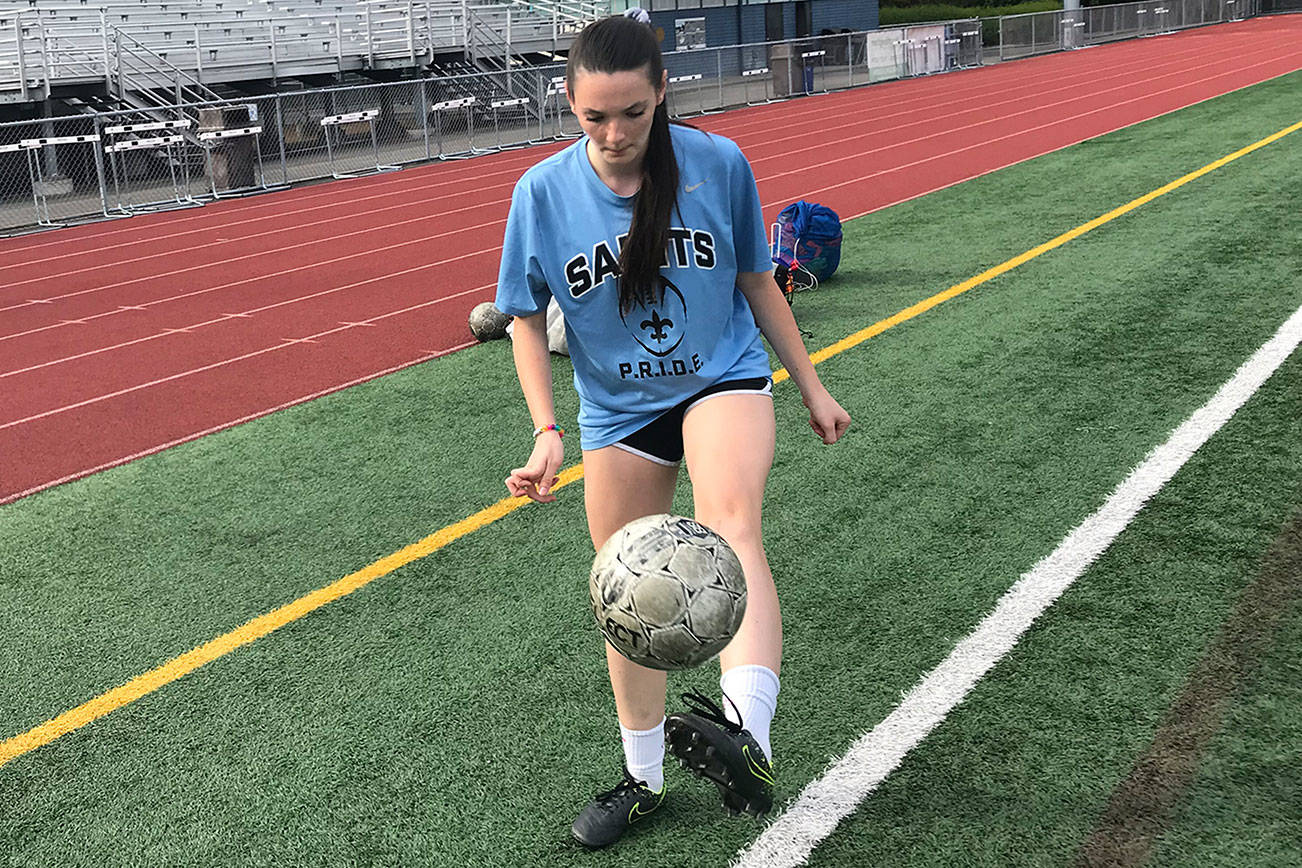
{"x":181,"y":666}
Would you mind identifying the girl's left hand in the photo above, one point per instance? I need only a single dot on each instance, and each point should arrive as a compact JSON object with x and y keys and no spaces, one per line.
{"x":826,"y":416}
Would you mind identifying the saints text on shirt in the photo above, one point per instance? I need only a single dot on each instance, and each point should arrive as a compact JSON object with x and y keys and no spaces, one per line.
{"x":686,"y":248}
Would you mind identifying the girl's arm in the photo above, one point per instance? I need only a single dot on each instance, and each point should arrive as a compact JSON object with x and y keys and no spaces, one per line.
{"x":533,"y":366}
{"x":774,"y":318}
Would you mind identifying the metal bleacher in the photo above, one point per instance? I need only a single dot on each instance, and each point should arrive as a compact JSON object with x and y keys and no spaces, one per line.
{"x":180,"y":49}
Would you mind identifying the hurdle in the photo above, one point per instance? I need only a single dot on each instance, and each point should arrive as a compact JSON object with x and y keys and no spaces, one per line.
{"x":116,"y":149}
{"x":971,"y":40}
{"x":925,"y":47}
{"x":497,"y":105}
{"x":903,"y":56}
{"x":556,"y":96}
{"x":20,"y":147}
{"x":1072,"y":34}
{"x":35,"y":148}
{"x":1163,"y":15}
{"x":335,"y":123}
{"x":952,"y":48}
{"x":452,"y":105}
{"x":213,"y":139}
{"x":1155,"y":20}
{"x":808,"y":70}
{"x":749,"y":75}
{"x":680,"y":79}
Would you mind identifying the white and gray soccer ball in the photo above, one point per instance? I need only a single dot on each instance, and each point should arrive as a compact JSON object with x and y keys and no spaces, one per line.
{"x":487,"y":323}
{"x":667,"y":592}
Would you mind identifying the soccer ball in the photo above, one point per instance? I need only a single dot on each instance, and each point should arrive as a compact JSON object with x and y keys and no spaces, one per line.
{"x":487,"y":323}
{"x":667,"y":592}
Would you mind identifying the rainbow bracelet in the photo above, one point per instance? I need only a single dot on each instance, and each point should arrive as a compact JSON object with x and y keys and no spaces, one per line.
{"x":560,"y":432}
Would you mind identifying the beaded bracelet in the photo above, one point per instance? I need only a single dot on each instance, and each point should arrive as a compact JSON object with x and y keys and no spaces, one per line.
{"x":560,"y":432}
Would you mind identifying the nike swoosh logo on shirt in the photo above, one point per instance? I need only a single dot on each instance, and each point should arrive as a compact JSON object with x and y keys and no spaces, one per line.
{"x":694,"y":187}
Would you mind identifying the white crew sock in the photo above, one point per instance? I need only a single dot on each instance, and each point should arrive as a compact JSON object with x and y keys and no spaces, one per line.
{"x":644,"y":754}
{"x":750,"y":697}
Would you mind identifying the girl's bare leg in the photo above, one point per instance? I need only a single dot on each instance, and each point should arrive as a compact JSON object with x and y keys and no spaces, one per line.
{"x":729,"y":442}
{"x":619,"y":487}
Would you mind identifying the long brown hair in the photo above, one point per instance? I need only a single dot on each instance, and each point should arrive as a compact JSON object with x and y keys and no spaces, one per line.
{"x":619,"y":44}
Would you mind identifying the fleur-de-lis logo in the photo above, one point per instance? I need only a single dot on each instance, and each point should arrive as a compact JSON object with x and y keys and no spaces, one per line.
{"x":662,"y":332}
{"x":657,"y":325}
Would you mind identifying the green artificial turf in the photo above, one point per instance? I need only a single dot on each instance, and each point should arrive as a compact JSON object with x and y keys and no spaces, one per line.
{"x":456,"y":712}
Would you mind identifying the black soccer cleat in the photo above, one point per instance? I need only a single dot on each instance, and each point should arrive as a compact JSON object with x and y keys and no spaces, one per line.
{"x":609,"y":814}
{"x":711,"y":746}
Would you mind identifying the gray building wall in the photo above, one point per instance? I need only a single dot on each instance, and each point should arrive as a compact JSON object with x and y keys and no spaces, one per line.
{"x":742,"y":23}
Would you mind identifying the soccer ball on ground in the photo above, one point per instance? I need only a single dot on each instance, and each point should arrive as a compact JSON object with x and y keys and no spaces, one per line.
{"x":487,"y":323}
{"x":667,"y":592}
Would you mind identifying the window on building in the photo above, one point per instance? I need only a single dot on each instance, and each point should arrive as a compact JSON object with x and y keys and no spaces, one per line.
{"x":804,"y":19}
{"x":773,"y":30}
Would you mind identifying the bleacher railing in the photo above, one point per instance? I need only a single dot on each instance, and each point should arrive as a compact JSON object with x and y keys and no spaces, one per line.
{"x":64,"y":170}
{"x":62,"y":51}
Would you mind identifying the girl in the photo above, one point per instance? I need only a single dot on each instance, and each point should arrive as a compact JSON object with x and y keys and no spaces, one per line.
{"x":651,"y":240}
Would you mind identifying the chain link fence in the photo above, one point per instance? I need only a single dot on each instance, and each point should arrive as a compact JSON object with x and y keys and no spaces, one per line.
{"x":1044,"y":32}
{"x":64,"y":170}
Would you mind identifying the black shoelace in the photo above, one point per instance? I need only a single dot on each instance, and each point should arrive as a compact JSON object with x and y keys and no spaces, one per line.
{"x":703,"y":706}
{"x":609,"y":797}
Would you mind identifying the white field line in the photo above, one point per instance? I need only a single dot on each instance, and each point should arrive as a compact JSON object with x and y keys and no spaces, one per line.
{"x":822,"y":805}
{"x":513,"y":172}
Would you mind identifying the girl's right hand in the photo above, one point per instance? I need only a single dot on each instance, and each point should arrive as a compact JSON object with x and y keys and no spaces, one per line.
{"x":536,"y":479}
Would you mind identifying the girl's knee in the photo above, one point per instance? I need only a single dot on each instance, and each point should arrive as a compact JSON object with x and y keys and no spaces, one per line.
{"x":738,"y":524}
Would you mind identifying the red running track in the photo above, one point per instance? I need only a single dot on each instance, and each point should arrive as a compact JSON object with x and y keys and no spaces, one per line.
{"x":120,"y":339}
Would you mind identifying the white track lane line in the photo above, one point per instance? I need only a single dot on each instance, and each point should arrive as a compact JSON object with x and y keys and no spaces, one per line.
{"x":1020,"y":133}
{"x":988,"y":76}
{"x":246,"y":314}
{"x":1000,"y":168}
{"x":433,"y":354}
{"x":476,"y":253}
{"x":513,"y":170}
{"x":317,"y":264}
{"x":866,"y":129}
{"x":991,"y":78}
{"x":282,"y":344}
{"x":821,"y":806}
{"x":334,"y":239}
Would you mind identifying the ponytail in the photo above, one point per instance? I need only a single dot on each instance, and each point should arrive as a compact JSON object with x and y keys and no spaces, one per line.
{"x":648,"y":236}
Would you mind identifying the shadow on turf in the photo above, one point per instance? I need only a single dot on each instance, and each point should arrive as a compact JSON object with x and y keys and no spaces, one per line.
{"x":691,"y":808}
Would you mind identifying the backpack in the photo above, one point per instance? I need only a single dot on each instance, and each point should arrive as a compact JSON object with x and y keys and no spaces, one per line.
{"x":806,"y":245}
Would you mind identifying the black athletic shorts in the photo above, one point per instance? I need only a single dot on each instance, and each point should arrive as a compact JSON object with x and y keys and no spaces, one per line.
{"x":661,"y":440}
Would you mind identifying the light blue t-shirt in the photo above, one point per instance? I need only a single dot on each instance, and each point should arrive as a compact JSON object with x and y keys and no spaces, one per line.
{"x":562,"y":240}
